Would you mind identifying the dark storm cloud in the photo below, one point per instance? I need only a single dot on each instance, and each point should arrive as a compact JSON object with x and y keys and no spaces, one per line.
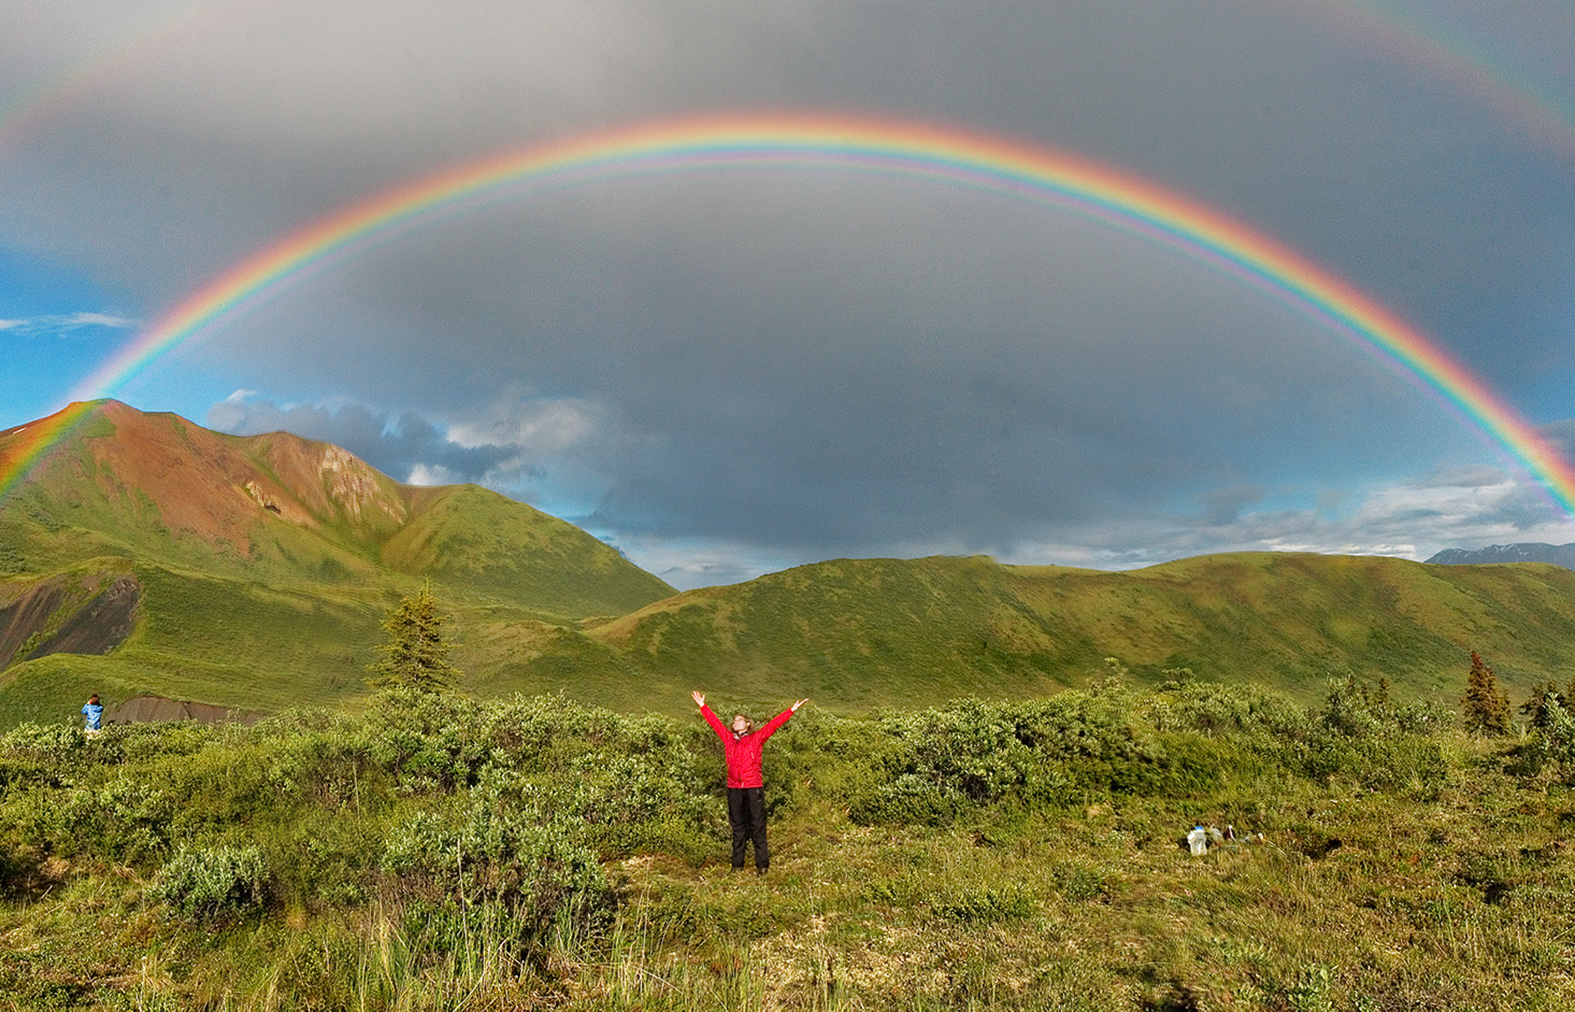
{"x":254,"y":121}
{"x":786,"y":366}
{"x":399,"y":447}
{"x":1223,"y":506}
{"x":841,"y":364}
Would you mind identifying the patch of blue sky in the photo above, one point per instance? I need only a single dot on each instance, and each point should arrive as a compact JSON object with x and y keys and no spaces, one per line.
{"x":56,"y":326}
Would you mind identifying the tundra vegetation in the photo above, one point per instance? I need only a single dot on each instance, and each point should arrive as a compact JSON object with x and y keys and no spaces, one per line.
{"x":438,"y":852}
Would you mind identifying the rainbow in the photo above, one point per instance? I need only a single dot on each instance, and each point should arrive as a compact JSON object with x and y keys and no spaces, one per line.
{"x":51,"y":93}
{"x":1407,"y":38}
{"x":823,"y":143}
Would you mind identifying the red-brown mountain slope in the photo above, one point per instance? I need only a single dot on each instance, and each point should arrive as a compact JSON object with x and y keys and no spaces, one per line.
{"x":122,"y":482}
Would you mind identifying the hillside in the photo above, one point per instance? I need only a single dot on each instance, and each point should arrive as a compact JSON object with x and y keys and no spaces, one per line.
{"x":146,"y":555}
{"x":885,"y":632}
{"x":255,"y":570}
{"x":278,"y":507}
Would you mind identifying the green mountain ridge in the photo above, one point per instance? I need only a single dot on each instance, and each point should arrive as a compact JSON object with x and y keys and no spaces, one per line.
{"x":263,"y":565}
{"x":881,"y":632}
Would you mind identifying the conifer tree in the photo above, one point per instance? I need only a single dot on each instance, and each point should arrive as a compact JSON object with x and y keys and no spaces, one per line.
{"x":416,"y":654}
{"x":1486,"y":706}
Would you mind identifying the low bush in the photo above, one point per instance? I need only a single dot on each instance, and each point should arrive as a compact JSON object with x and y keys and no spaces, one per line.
{"x":438,"y":845}
{"x":54,"y":744}
{"x":496,"y":853}
{"x":213,"y":883}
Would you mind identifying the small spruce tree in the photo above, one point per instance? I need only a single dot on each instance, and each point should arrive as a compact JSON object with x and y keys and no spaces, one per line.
{"x":416,"y":654}
{"x":1486,"y":706}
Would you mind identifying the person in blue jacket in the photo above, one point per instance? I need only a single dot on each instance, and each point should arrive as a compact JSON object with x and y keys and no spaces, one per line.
{"x":93,"y":714}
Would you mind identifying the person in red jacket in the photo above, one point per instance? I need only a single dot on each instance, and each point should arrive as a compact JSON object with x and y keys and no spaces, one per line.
{"x":746,"y":797}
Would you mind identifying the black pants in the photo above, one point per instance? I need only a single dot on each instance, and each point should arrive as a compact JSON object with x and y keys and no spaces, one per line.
{"x":746,"y":810}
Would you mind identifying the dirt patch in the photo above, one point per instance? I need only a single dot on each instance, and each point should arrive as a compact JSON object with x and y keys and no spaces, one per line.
{"x":99,"y":626}
{"x":143,"y":709}
{"x":58,"y":616}
{"x":24,"y":619}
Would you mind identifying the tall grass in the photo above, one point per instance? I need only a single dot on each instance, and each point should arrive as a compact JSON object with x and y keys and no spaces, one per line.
{"x":439,"y":853}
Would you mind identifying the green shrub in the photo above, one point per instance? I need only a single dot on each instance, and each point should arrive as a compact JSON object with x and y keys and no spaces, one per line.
{"x":647,"y":801}
{"x":1225,"y":710}
{"x":213,"y":883}
{"x":118,"y":744}
{"x":908,"y":799}
{"x":1550,"y":747}
{"x":495,"y":851}
{"x":122,"y":819}
{"x":55,"y":744}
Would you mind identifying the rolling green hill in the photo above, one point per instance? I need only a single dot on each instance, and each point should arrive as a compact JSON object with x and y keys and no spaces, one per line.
{"x":253,"y":573}
{"x":886,"y":632}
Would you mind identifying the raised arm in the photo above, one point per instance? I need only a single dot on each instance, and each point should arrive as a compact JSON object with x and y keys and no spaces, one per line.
{"x":780,"y":719}
{"x":710,"y":718}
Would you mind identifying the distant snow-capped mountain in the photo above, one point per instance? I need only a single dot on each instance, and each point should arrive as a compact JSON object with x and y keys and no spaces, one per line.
{"x":1534,"y":551}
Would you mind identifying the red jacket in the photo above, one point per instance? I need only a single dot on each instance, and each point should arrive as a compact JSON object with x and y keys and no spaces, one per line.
{"x":743,"y":752}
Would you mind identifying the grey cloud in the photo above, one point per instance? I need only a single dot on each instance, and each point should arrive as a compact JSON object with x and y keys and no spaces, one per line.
{"x":1224,"y":505}
{"x":1412,"y":519}
{"x":1562,"y":435}
{"x":1275,"y":115}
{"x":396,"y":446}
{"x":798,"y":365}
{"x":1465,"y":476}
{"x":804,"y":361}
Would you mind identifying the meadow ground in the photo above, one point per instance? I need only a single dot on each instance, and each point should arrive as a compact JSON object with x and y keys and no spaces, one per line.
{"x":535,"y":854}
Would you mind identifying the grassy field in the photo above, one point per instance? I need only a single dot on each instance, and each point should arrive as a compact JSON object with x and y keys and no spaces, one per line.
{"x":536,"y":853}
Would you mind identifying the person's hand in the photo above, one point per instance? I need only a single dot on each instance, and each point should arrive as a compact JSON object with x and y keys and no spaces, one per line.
{"x":798,"y":704}
{"x":699,"y":697}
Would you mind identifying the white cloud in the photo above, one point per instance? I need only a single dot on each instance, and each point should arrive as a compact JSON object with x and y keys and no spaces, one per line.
{"x":429,"y":474}
{"x":1413,"y":519}
{"x":541,"y":426}
{"x":66,"y":324}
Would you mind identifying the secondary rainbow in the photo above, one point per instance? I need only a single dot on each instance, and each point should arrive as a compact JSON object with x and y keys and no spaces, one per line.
{"x":822,"y":143}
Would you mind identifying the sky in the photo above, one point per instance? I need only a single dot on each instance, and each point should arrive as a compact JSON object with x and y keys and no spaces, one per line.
{"x":728,"y":372}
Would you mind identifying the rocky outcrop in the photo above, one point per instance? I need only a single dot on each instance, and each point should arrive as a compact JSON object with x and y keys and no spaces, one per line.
{"x":357,"y":487}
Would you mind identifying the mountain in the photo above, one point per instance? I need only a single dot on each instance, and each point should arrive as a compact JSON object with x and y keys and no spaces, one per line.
{"x":159,"y":487}
{"x":1529,"y":551}
{"x":254,"y":571}
{"x":147,"y":556}
{"x":910,"y":632}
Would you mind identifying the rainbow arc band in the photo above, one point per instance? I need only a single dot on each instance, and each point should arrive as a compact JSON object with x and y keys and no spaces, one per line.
{"x":822,"y":143}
